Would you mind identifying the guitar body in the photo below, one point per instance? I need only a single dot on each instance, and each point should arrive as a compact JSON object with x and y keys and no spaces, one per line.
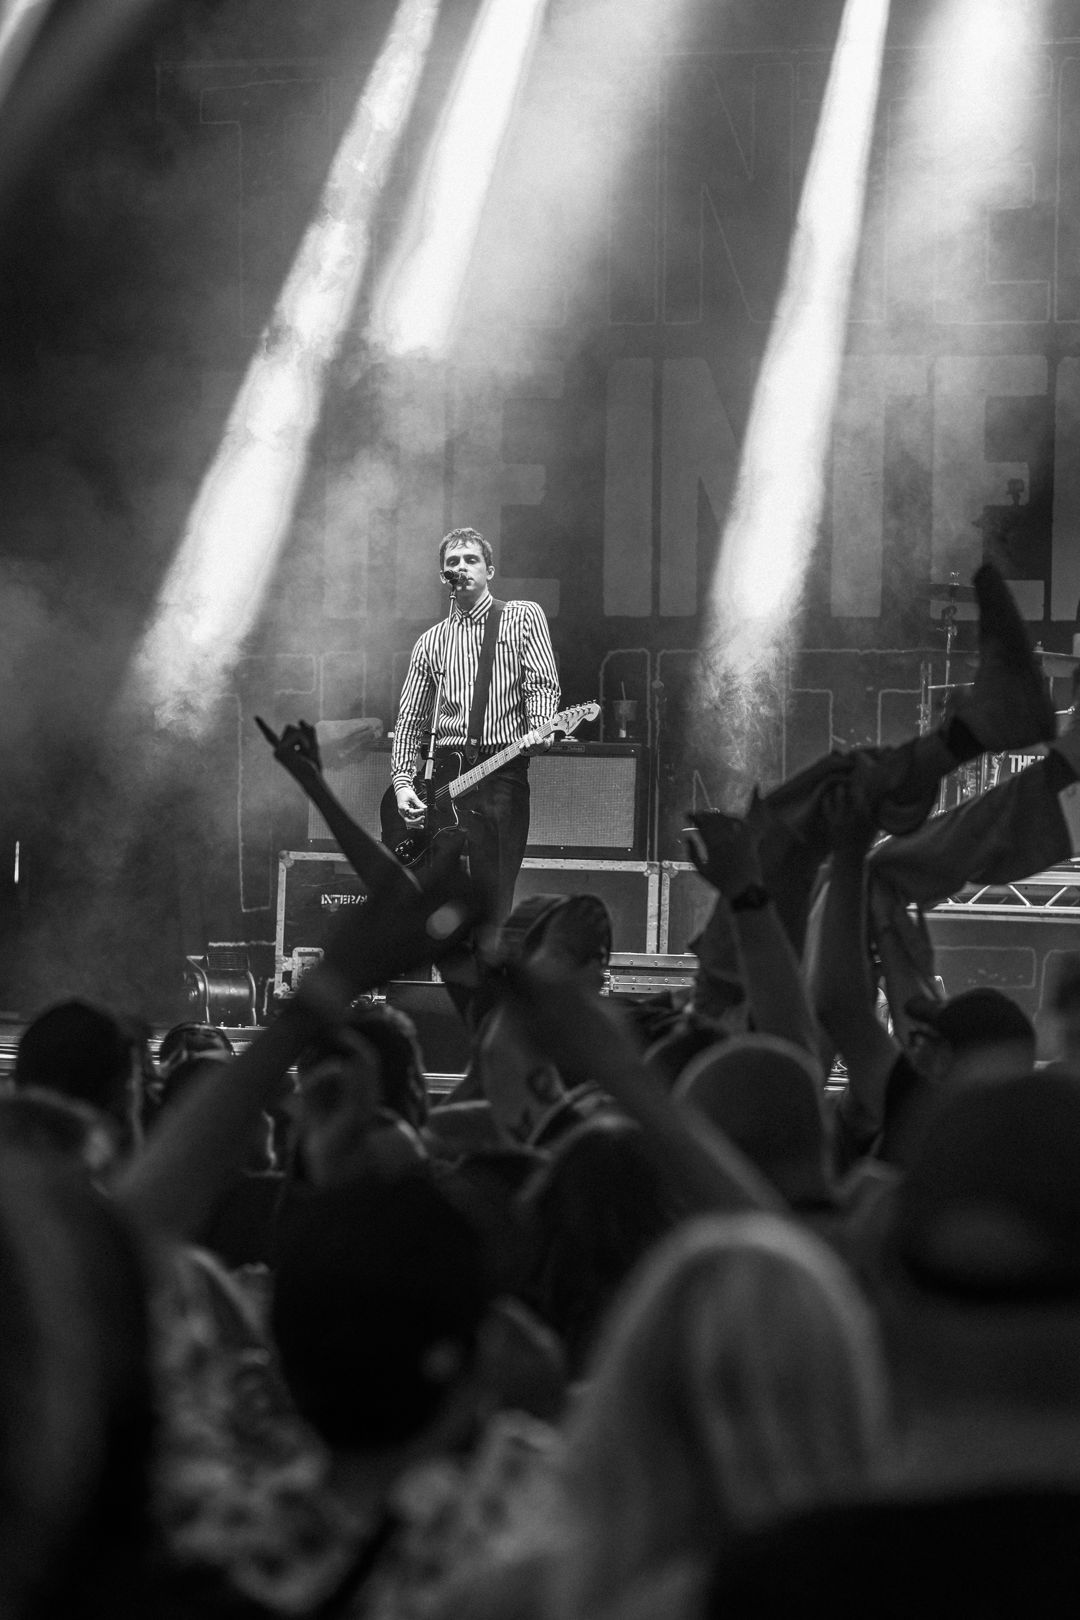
{"x":412,"y":842}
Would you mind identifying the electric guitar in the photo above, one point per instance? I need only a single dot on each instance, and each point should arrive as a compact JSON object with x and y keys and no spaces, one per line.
{"x":452,"y":779}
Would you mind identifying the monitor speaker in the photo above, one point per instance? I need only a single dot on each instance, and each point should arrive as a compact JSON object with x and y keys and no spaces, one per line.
{"x":585,"y":797}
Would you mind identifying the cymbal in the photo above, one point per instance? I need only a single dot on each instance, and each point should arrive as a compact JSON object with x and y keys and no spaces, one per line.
{"x":1057,"y":663}
{"x":953,"y":593}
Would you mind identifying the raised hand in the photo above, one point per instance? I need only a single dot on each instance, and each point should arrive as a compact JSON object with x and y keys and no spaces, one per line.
{"x":849,"y":812}
{"x":725,"y":851}
{"x":297,"y":748}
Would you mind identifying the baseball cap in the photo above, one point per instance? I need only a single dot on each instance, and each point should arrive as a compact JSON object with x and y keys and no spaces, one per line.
{"x":580,"y":923}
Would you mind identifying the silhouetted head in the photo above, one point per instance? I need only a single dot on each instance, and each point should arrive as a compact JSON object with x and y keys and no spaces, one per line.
{"x":592,"y":1212}
{"x":980,"y":1034}
{"x":765,"y":1094}
{"x":983,"y":1256}
{"x":75,"y":1398}
{"x":379,"y":1293}
{"x":89,"y":1053}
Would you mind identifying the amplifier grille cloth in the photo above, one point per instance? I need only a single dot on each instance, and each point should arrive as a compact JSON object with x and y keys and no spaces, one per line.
{"x":583,"y":799}
{"x":359,"y":786}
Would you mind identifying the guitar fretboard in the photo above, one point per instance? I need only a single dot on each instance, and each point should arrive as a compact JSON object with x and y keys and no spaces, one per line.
{"x":567,"y":721}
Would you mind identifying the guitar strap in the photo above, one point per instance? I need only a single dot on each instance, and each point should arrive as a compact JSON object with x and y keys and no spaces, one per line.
{"x":482,"y":684}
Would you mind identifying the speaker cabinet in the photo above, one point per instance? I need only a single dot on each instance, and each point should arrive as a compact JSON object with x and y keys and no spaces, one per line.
{"x":585,"y":797}
{"x":629,"y":889}
{"x":313,"y":885}
{"x":589,"y":797}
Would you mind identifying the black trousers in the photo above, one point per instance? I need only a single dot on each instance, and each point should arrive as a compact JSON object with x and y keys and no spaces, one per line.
{"x":496,"y":824}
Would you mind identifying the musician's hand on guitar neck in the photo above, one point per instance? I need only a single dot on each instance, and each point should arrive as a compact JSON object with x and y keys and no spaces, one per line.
{"x":543,"y":745}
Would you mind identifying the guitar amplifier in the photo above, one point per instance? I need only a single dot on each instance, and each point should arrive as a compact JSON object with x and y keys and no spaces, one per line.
{"x":587,"y":798}
{"x":358,"y":781}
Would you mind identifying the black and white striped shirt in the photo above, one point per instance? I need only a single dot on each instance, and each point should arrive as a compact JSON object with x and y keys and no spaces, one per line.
{"x":524,"y":682}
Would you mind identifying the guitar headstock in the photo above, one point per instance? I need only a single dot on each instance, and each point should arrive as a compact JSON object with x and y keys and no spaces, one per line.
{"x":568,"y":720}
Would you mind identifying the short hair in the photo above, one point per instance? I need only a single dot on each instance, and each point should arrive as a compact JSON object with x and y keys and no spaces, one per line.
{"x":465,"y":537}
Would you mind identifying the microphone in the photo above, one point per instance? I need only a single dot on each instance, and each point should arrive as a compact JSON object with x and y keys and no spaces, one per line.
{"x":455,"y":581}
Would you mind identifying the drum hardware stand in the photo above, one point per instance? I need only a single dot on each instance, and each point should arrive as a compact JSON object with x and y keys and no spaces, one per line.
{"x":975,"y":780}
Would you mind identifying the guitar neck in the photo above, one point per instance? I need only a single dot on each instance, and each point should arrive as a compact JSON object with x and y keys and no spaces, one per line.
{"x":567,"y":720}
{"x":469,"y":779}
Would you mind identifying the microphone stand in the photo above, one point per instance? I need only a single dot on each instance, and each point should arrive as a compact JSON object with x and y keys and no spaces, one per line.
{"x":429,"y":758}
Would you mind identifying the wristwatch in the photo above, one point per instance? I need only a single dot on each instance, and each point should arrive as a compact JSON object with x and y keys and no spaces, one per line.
{"x":755,"y":897}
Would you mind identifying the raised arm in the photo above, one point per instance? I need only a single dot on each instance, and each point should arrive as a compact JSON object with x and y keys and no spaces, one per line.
{"x":297,"y":749}
{"x":843,"y":986}
{"x":725,"y":851}
{"x":175,"y":1181}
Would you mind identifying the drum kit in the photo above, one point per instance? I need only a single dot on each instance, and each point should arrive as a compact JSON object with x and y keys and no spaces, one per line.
{"x":984,"y":773}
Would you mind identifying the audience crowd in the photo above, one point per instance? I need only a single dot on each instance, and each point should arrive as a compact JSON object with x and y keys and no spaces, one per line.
{"x":646,"y":1320}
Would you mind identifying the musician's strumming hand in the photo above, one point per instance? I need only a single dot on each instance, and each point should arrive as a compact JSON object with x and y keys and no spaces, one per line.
{"x":411,"y":806}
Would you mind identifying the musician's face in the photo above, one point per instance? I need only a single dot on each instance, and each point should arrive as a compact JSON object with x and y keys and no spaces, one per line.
{"x":467,"y":561}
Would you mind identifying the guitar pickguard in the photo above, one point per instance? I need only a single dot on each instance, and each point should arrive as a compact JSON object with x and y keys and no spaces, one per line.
{"x":411,"y":843}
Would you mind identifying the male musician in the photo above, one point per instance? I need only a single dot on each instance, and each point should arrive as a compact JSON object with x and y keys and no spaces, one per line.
{"x":523,"y":692}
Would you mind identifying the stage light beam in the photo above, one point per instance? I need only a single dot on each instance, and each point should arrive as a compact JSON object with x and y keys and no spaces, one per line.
{"x":779,"y":491}
{"x":20,"y":22}
{"x":419,"y":293}
{"x":241,"y":518}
